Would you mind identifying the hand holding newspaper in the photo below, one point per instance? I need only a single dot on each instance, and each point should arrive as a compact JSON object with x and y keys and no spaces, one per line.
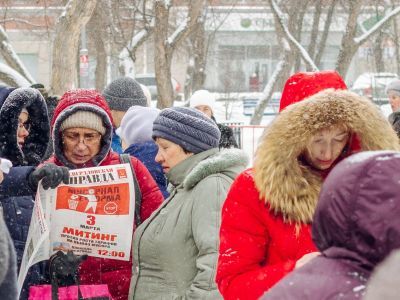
{"x":93,"y":215}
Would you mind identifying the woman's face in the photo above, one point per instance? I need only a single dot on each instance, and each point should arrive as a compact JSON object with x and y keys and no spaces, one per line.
{"x":80,"y":144}
{"x":326,"y":146}
{"x":205,"y":109}
{"x":23,"y":128}
{"x":169,"y":154}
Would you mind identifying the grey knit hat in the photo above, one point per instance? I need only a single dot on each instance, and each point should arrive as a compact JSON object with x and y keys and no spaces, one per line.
{"x":393,"y":86}
{"x":123,"y":93}
{"x":187,"y":127}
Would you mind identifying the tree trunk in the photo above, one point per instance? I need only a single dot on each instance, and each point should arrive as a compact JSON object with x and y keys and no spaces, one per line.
{"x":348,"y":46}
{"x":277,"y":81}
{"x":396,"y":45}
{"x":11,"y":77}
{"x":65,"y":46}
{"x":378,"y":55}
{"x":324,"y":36}
{"x":96,"y":27}
{"x":315,"y":28}
{"x":195,"y":74}
{"x":165,"y":45}
{"x":298,"y":20}
{"x":162,"y":57}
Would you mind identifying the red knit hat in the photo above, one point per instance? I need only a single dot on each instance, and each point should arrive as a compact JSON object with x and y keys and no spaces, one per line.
{"x":305,"y":84}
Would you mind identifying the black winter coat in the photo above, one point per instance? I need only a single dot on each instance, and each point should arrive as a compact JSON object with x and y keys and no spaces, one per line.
{"x":227,"y":139}
{"x":16,"y":197}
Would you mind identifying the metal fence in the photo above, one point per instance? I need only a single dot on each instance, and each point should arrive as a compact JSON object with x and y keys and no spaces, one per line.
{"x":247,"y":136}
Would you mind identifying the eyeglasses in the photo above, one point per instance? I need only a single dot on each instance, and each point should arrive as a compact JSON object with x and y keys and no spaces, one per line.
{"x":88,"y":139}
{"x":25,"y":125}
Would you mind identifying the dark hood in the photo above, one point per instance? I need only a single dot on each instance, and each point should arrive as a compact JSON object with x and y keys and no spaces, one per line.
{"x":12,"y":101}
{"x":357,"y":216}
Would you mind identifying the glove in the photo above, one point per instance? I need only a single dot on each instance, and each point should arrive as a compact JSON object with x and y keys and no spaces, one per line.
{"x":5,"y":165}
{"x":51,"y":176}
{"x":64,"y":267}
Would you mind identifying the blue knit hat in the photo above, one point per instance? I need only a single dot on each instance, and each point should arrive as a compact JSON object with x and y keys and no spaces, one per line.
{"x":187,"y":127}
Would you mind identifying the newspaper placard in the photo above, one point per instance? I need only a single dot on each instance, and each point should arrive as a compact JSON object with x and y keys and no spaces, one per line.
{"x":93,"y":215}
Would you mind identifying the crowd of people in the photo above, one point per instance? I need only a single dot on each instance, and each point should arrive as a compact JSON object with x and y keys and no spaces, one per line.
{"x":313,"y":218}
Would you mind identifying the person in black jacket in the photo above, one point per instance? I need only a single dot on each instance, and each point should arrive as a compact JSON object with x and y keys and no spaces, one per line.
{"x":204,"y":101}
{"x":24,"y":136}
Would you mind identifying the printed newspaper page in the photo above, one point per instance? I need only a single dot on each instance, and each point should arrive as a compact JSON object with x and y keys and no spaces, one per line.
{"x":93,"y":215}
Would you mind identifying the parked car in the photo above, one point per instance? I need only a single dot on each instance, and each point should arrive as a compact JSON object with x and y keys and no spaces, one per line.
{"x":372,"y":86}
{"x":250,"y":102}
{"x":149,"y":80}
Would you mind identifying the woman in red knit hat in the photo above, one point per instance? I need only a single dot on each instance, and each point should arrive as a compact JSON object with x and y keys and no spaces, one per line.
{"x":266,"y":218}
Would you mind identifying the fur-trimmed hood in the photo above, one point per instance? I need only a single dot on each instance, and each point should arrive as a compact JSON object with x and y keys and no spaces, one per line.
{"x":12,"y":101}
{"x":289,"y":187}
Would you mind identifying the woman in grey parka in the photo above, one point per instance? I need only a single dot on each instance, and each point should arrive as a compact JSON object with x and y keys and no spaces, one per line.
{"x":176,"y":249}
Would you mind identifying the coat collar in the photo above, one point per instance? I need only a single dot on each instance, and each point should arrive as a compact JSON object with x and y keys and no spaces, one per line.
{"x":214,"y":161}
{"x":178,"y":173}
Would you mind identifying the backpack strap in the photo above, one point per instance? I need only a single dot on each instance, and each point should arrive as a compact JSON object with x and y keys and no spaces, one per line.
{"x":126,"y":159}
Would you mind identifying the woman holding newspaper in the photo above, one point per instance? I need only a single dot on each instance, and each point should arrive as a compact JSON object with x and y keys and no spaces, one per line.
{"x":82,"y":131}
{"x":175,"y":250}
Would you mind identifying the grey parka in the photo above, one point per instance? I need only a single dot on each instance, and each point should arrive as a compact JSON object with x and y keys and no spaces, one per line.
{"x":176,"y":249}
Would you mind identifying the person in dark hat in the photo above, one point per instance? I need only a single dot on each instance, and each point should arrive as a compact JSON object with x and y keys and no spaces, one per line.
{"x":120,"y":95}
{"x":393,"y":92}
{"x":175,"y":250}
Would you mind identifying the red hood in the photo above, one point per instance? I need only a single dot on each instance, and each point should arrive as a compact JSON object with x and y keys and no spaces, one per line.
{"x":81,"y":96}
{"x":78,"y":100}
{"x":305,"y":84}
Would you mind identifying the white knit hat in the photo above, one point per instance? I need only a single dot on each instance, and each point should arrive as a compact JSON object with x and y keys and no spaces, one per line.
{"x":84,"y":119}
{"x":202,"y":97}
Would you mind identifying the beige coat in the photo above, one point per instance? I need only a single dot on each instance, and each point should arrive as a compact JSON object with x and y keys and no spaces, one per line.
{"x":176,"y":249}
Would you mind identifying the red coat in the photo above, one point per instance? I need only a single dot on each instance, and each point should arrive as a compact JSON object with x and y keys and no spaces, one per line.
{"x":258,"y":251}
{"x":115,"y":273}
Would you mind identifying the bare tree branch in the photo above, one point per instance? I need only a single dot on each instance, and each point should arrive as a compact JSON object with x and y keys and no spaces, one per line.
{"x":12,"y":58}
{"x":361,"y":39}
{"x":315,"y":28}
{"x":193,"y":18}
{"x":20,"y":21}
{"x":267,"y":93}
{"x":11,"y":77}
{"x":324,"y":37}
{"x":306,"y":57}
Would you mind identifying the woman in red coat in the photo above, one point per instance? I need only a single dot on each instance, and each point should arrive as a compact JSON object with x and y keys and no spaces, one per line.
{"x":82,"y":132}
{"x":265,"y":228}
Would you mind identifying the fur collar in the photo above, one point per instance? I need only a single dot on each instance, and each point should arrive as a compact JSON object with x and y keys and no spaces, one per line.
{"x":287,"y":186}
{"x":218,"y":163}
